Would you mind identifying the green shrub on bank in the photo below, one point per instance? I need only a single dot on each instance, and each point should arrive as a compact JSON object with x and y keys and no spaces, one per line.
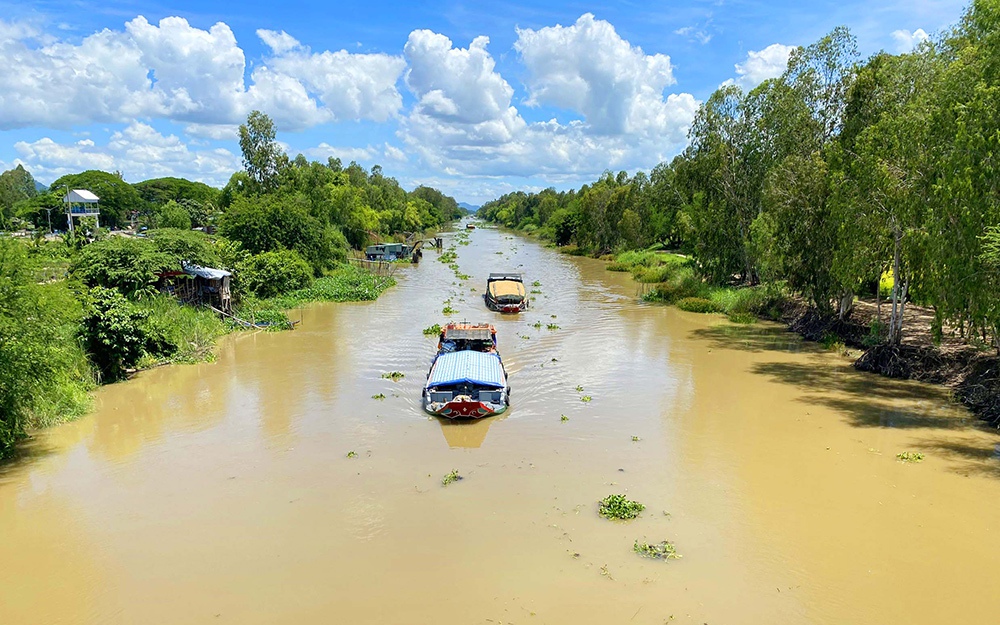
{"x":44,"y":374}
{"x":270,"y":274}
{"x":114,"y":332}
{"x":177,"y":332}
{"x":346,"y":284}
{"x":698,"y":305}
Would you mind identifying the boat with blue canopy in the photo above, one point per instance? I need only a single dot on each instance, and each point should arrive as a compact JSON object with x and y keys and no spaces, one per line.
{"x":467,"y":378}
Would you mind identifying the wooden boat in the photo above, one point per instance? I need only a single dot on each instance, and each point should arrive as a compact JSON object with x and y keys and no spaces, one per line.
{"x":467,"y":378}
{"x":470,"y":226}
{"x":505,"y":293}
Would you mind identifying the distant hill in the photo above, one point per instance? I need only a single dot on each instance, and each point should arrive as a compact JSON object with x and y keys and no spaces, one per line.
{"x":469,"y":207}
{"x":41,"y":188}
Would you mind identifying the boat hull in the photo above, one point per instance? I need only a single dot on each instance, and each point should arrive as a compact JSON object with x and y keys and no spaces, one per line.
{"x":464,"y":409}
{"x":496,"y":306}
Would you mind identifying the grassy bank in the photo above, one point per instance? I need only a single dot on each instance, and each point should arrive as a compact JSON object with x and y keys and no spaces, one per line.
{"x":347,"y":283}
{"x":673,"y":279}
{"x":59,"y":339}
{"x":973,"y":374}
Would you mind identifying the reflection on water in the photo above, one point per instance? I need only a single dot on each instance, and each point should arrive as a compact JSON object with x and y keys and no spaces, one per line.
{"x":464,"y":433}
{"x":225,"y":491}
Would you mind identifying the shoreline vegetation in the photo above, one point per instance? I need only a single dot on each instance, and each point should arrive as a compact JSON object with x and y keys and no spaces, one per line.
{"x":94,"y":307}
{"x":853,"y":198}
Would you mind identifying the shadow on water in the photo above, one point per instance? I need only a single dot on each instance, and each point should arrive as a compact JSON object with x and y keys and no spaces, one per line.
{"x":751,"y":338}
{"x":865,"y":400}
{"x":25,"y":452}
{"x":970,"y":457}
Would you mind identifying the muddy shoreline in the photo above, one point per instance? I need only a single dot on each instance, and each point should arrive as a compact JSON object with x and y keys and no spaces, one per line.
{"x":972,"y":375}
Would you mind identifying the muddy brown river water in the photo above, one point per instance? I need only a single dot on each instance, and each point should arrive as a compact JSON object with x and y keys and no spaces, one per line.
{"x":222,"y":492}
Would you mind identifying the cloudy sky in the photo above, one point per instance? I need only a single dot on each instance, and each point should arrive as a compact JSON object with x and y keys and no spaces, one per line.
{"x":475,"y":98}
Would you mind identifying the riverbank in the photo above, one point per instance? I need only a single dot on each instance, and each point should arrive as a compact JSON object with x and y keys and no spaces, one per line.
{"x":972,"y":373}
{"x":157,"y":330}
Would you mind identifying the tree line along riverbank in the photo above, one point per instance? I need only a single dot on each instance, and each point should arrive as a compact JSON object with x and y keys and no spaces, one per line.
{"x":856,"y":199}
{"x":90,"y":308}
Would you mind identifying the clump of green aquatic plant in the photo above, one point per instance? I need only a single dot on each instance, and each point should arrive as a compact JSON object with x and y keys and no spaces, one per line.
{"x":448,"y":257}
{"x":744,"y":318}
{"x":552,"y":326}
{"x":462,"y":276}
{"x":910,"y":456}
{"x":535,"y":292}
{"x":698,"y":305}
{"x":537,"y":325}
{"x":501,"y":253}
{"x":619,"y":507}
{"x":379,"y":397}
{"x":524,"y":336}
{"x":352,"y":454}
{"x":536,"y":283}
{"x":448,"y":310}
{"x":433,"y":330}
{"x":395,"y":376}
{"x":579,"y":389}
{"x":636,"y":439}
{"x":563,"y":418}
{"x":663,"y":550}
{"x":451,"y":477}
{"x":586,"y":399}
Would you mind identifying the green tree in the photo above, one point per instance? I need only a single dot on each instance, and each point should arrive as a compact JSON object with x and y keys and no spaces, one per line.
{"x":113,"y":332}
{"x":15,"y":185}
{"x":274,"y":273}
{"x":118,"y":199}
{"x":263,"y":158}
{"x":173,"y":215}
{"x":124,"y":263}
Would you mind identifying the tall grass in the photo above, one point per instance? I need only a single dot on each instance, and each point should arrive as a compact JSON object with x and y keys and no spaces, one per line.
{"x":178,"y":332}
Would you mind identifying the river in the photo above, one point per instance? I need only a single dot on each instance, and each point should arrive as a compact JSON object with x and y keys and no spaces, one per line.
{"x":223,"y":492}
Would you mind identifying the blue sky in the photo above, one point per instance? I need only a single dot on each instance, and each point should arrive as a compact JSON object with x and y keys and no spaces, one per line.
{"x":475,"y":98}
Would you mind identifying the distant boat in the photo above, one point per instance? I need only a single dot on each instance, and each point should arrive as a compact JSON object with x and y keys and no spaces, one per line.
{"x":470,"y":226}
{"x":467,"y":378}
{"x":505,"y":293}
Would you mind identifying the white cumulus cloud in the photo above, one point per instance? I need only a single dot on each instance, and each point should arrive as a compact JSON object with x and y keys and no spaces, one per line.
{"x":907,"y":41}
{"x":138,"y":151}
{"x":589,"y":68}
{"x":172,"y":70}
{"x":465,"y":124}
{"x":761,"y":65}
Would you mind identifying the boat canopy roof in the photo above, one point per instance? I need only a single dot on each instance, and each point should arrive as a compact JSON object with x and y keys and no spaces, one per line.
{"x":480,"y":368}
{"x":469,"y":333}
{"x":508,"y":275}
{"x":508,"y":288}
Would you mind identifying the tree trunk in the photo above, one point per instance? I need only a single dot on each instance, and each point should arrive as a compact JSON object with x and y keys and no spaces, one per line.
{"x":893,"y":330}
{"x":846,"y":304}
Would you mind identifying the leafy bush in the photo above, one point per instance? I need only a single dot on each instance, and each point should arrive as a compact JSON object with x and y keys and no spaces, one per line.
{"x":44,"y":373}
{"x":270,"y":223}
{"x":124,"y":263}
{"x":177,"y":331}
{"x":114,"y":332}
{"x":273,"y":273}
{"x":173,"y":215}
{"x":698,"y":305}
{"x":619,"y":507}
{"x":186,"y":245}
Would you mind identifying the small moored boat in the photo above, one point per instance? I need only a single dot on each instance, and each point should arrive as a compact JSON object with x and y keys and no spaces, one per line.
{"x":470,"y":226}
{"x":467,"y":378}
{"x":505,"y":292}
